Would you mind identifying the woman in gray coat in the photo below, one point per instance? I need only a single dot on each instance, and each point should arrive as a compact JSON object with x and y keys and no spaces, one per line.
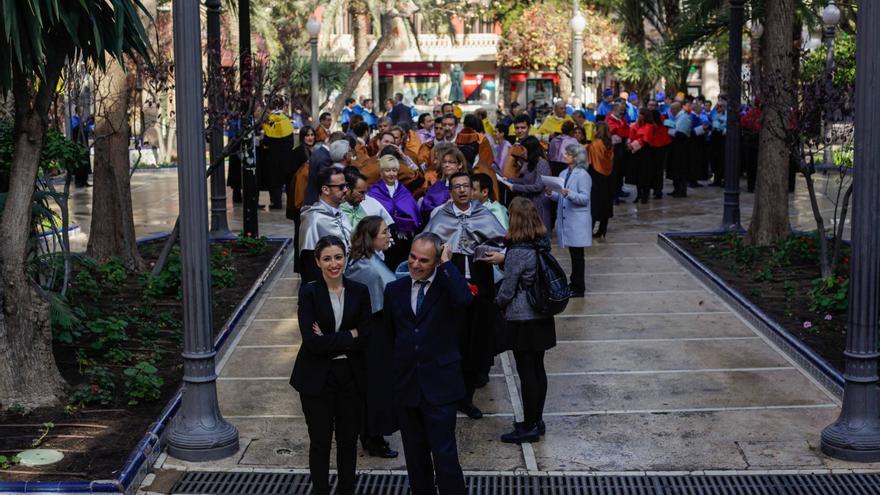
{"x":527,"y":333}
{"x":574,"y":223}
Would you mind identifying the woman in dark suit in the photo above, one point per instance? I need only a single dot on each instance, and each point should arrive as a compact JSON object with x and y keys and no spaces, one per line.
{"x":334,"y":315}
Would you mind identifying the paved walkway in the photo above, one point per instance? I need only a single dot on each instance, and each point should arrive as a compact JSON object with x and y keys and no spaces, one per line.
{"x":652,"y":372}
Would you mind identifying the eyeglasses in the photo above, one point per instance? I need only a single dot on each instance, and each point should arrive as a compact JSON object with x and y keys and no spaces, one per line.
{"x":341,"y":187}
{"x":460,"y":187}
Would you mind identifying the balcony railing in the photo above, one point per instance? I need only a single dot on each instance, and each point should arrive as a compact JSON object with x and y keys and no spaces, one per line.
{"x":434,"y":47}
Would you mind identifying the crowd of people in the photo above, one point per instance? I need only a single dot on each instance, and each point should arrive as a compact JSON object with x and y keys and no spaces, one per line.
{"x":417,"y":237}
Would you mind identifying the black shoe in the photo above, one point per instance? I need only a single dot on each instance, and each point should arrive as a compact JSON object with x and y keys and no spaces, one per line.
{"x":542,"y":427}
{"x":575,"y":293}
{"x":694,"y":184}
{"x":658,"y":195}
{"x":275,"y":207}
{"x":381,"y":450}
{"x":645,"y":200}
{"x":470,"y":410}
{"x":678,"y":194}
{"x":482,"y":381}
{"x":522,"y":434}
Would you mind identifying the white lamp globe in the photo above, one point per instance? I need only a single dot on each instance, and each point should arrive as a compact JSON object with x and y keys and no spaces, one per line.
{"x":578,"y":23}
{"x":313,"y":27}
{"x":831,"y":15}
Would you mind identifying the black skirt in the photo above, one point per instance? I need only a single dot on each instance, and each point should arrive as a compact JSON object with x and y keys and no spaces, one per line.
{"x":601,"y":196}
{"x":527,"y":335}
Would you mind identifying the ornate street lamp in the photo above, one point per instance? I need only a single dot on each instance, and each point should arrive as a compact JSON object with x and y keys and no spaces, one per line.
{"x":831,"y":18}
{"x":313,"y":27}
{"x":198,"y":431}
{"x":219,"y":226}
{"x":731,"y":219}
{"x":578,"y":24}
{"x":855,"y":436}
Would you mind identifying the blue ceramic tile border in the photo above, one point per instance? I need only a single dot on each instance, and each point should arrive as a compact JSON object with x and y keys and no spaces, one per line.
{"x":797,"y":350}
{"x":148,"y":449}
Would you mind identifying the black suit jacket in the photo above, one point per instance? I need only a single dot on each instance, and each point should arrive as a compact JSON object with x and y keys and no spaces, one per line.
{"x":320,"y":158}
{"x":400,"y":113}
{"x":316,"y":352}
{"x":426,"y":357}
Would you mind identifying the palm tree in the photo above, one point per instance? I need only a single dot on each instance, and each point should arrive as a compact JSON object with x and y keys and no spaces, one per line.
{"x":39,"y":37}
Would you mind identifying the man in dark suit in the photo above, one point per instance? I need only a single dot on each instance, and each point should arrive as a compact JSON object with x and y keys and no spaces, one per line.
{"x":424,"y":314}
{"x":320,"y":159}
{"x":400,"y":113}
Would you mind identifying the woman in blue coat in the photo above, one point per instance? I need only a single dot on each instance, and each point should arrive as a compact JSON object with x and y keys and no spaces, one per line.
{"x":573,"y":218}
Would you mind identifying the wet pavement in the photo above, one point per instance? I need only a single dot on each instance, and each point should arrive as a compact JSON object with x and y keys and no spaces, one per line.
{"x":652,"y":371}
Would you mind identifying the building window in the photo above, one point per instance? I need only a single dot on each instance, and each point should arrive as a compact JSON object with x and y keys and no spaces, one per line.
{"x":483,"y":26}
{"x":695,"y":74}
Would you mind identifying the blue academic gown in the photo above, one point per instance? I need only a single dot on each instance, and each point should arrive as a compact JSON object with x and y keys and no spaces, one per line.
{"x":604,"y":108}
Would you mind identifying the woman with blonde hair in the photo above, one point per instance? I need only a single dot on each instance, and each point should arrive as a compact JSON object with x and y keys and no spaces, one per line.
{"x":527,"y":333}
{"x":451,"y":161}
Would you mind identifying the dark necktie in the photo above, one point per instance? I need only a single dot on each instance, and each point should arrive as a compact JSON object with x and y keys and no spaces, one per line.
{"x":420,"y":296}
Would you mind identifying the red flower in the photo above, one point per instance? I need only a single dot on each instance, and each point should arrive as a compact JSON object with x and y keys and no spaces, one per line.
{"x":474,"y":289}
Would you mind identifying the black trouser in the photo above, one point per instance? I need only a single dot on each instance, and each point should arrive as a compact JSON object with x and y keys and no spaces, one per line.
{"x":275,"y":197}
{"x":619,"y":167}
{"x":337,"y":408}
{"x":603,"y":227}
{"x":428,"y":435}
{"x":533,"y":379}
{"x":661,"y":156}
{"x":577,"y":269}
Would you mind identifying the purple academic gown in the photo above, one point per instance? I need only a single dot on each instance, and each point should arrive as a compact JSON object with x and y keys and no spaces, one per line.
{"x":402,"y":207}
{"x":435,"y":196}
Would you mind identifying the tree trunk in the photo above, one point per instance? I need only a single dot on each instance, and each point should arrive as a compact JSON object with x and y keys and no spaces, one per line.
{"x":112,"y":227}
{"x":28,"y":374}
{"x":358,"y":12}
{"x":382,"y":44}
{"x":770,"y":216}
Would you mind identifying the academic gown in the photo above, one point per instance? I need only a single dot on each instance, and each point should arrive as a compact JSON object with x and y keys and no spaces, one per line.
{"x":464,"y":235}
{"x":275,"y":153}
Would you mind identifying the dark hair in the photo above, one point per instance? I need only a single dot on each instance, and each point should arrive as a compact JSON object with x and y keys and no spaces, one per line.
{"x":460,"y":174}
{"x":447,"y":104}
{"x":603,"y":133}
{"x":521,"y":118}
{"x":352,"y":175}
{"x":649,"y":117}
{"x":382,"y":134}
{"x":367,"y":100}
{"x":325,"y":114}
{"x":514,"y":105}
{"x":336,"y":136}
{"x":567,"y":127}
{"x":485,"y":183}
{"x":325,"y":174}
{"x":534,"y":150}
{"x":578,"y":112}
{"x":326,"y":242}
{"x":422,"y":118}
{"x":349,"y":100}
{"x":360,"y":129}
{"x":304,"y":131}
{"x":471,"y":121}
{"x":362,"y":237}
{"x":450,"y":116}
{"x":398,"y":96}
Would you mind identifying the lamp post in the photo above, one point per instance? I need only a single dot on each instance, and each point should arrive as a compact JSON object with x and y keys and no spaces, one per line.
{"x":314,"y":28}
{"x":830,"y":17}
{"x":219,"y":226}
{"x":731,"y":219}
{"x":198,"y":431}
{"x":855,"y":436}
{"x":248,"y":152}
{"x":578,"y":24}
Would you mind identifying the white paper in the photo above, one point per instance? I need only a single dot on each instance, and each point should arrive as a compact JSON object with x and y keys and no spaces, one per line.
{"x":553,"y":183}
{"x":506,"y":182}
{"x":699,"y":131}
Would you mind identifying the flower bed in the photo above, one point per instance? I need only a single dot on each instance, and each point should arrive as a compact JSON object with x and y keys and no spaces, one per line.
{"x":119,"y":348}
{"x":784,"y":281}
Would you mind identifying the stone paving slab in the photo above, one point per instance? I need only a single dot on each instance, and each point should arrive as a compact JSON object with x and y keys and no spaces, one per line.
{"x":667,"y":391}
{"x":661,"y":355}
{"x":610,"y":327}
{"x":615,"y":266}
{"x":681,"y":441}
{"x":272,"y":332}
{"x":639,"y":282}
{"x":255,"y":362}
{"x":645,"y":302}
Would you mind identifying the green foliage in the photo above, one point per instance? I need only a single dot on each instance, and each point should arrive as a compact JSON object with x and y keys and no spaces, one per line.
{"x":113,"y":273}
{"x":59,"y":154}
{"x":108,"y":332}
{"x":844,"y":157}
{"x":97,"y":390}
{"x":167,"y":281}
{"x":844,"y":73}
{"x":85,"y":284}
{"x":251,"y":245}
{"x":295,"y":68}
{"x":829,"y":295}
{"x":8,"y":462}
{"x":142,"y":383}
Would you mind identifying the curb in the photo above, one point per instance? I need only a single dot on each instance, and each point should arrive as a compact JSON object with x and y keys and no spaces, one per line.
{"x":139,"y":462}
{"x":806,"y":358}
